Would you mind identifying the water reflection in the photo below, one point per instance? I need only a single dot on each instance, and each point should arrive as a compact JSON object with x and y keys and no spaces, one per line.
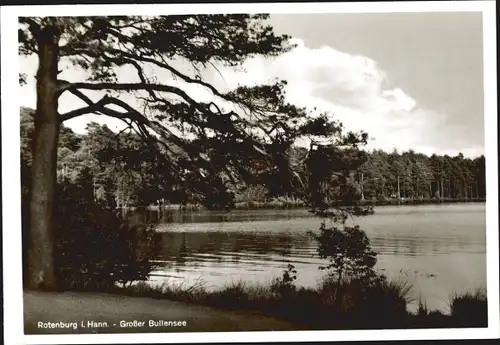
{"x":439,"y":248}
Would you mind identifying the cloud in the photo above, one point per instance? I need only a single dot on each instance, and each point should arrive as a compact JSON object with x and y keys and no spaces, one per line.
{"x":358,"y":93}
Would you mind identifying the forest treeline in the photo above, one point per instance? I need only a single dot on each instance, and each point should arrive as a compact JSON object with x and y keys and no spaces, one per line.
{"x":125,"y":171}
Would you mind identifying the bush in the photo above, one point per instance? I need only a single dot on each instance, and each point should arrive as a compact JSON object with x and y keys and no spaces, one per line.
{"x":95,"y":248}
{"x":349,"y":253}
{"x":284,"y":286}
{"x":233,"y":296}
{"x":379,"y":303}
{"x":385,"y":303}
{"x":470,"y":309}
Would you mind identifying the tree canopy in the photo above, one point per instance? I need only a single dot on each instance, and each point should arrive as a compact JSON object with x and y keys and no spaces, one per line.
{"x":203,"y":140}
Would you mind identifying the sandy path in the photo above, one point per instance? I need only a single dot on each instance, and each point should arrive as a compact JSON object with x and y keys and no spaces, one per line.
{"x":110,"y":310}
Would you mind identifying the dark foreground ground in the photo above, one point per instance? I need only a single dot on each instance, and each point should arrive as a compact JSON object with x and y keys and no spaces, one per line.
{"x":109,"y":310}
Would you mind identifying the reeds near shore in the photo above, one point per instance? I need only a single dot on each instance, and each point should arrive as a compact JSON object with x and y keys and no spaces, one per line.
{"x":331,"y":305}
{"x":470,"y":308}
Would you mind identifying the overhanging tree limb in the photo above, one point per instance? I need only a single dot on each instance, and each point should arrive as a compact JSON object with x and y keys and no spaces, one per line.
{"x":133,"y":115}
{"x":76,"y":87}
{"x":130,"y":87}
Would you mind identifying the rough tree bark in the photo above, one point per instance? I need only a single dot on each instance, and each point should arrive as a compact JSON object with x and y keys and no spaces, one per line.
{"x":41,"y":271}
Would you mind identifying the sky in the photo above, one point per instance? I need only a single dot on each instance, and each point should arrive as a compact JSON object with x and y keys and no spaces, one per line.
{"x":411,"y":80}
{"x":415,"y":79}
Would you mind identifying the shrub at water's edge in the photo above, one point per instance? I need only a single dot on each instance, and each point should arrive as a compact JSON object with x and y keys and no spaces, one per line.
{"x":95,"y":248}
{"x":470,"y":308}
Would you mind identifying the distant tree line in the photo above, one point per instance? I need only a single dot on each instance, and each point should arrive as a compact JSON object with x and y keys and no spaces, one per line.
{"x":414,"y":175}
{"x":126,"y":171}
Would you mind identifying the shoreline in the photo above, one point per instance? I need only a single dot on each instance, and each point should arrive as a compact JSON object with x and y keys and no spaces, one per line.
{"x":273,"y":205}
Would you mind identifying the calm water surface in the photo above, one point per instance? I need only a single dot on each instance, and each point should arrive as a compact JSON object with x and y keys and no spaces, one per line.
{"x":440,"y":249}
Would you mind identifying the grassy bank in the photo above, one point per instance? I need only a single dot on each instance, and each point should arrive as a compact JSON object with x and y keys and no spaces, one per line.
{"x":330,"y":305}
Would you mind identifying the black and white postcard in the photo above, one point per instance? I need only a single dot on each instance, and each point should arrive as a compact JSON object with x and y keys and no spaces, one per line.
{"x":179,"y":173}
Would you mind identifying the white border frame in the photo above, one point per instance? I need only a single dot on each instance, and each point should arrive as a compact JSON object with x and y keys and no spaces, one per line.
{"x":13,"y":298}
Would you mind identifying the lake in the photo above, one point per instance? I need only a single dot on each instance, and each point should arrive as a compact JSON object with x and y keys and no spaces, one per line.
{"x":439,"y":249}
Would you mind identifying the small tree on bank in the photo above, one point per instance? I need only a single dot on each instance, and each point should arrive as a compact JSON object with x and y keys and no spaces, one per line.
{"x":348,"y":251}
{"x":335,"y":196}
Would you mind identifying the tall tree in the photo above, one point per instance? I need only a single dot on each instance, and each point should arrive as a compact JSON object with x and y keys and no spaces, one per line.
{"x":213,"y":140}
{"x":479,"y":170}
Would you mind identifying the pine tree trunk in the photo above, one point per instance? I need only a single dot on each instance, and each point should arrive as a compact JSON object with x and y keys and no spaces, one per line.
{"x":399,"y":192}
{"x":41,"y":271}
{"x":416,"y":194}
{"x":441,"y":188}
{"x":362,"y":188}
